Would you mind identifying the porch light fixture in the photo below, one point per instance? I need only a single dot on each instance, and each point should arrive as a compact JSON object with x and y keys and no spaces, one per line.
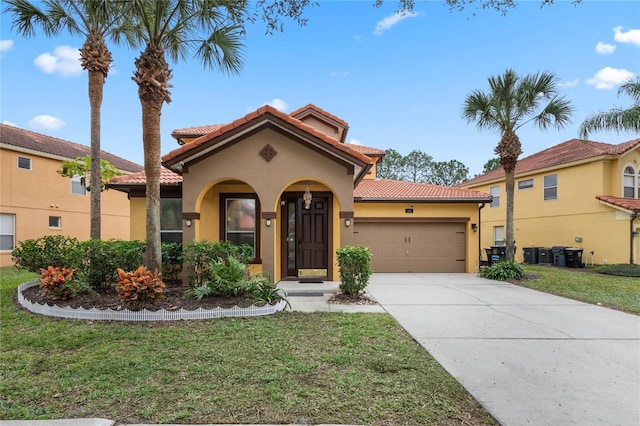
{"x":267,"y":222}
{"x":347,"y":222}
{"x":188,"y":222}
{"x":474,"y":227}
{"x":307,"y":199}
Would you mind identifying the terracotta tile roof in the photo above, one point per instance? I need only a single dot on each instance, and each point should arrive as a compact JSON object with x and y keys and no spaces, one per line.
{"x":367,"y":150}
{"x":312,"y":107}
{"x":33,"y":141}
{"x":167,"y":177}
{"x":564,"y":153}
{"x":625,"y":203}
{"x":264,"y":111}
{"x":386,"y":189}
{"x":194,"y":132}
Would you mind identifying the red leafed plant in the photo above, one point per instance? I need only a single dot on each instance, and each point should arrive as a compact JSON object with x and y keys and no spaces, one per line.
{"x":139,"y":286}
{"x":58,"y":282}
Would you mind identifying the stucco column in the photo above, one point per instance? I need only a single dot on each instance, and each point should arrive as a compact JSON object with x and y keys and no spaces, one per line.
{"x":268,"y":244}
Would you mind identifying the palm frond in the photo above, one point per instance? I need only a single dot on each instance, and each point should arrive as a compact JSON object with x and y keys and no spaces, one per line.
{"x":617,"y":119}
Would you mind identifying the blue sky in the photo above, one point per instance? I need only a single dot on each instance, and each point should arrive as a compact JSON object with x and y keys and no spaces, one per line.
{"x":399,"y":81}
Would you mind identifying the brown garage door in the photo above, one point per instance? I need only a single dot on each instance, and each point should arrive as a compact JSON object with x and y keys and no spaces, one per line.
{"x":413,"y":247}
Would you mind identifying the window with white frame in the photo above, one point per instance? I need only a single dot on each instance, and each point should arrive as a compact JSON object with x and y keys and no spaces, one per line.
{"x":7,"y":231}
{"x":24,"y":163}
{"x":171,"y":220}
{"x":495,"y":193}
{"x":77,"y":185}
{"x":498,"y":235}
{"x":240,"y":213}
{"x":55,"y":222}
{"x":551,"y":187}
{"x":525,"y":184}
{"x":629,"y":183}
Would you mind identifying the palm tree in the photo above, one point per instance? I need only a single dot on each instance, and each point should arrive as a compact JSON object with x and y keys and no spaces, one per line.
{"x":210,"y":30}
{"x":511,"y":102}
{"x":96,"y":20}
{"x":617,"y":119}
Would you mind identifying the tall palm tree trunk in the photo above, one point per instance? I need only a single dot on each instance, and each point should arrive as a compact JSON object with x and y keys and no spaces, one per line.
{"x":509,"y":149}
{"x":96,"y":85}
{"x":509,"y":189}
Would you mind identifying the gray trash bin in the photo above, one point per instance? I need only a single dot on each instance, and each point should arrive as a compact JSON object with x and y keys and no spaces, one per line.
{"x":559,"y":256}
{"x":530,"y":255}
{"x":574,"y":257}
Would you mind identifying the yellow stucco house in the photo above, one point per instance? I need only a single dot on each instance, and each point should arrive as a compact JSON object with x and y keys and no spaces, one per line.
{"x":36,"y":201}
{"x":290,"y":186}
{"x":578,"y":194}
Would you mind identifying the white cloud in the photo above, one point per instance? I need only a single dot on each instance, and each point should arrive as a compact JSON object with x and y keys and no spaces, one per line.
{"x":278,"y":104}
{"x":393,"y":20}
{"x":65,"y":60}
{"x":353,"y":141}
{"x":631,"y":36}
{"x":46,"y":122}
{"x":5,"y":45}
{"x":570,"y":83}
{"x":608,"y":78}
{"x":605,"y":49}
{"x":340,"y":73}
{"x":10,"y":123}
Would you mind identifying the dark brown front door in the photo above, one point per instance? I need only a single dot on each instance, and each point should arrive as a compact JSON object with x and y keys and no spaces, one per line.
{"x":305,"y":236}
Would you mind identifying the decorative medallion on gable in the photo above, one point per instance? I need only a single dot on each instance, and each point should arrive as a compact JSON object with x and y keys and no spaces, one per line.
{"x":268,"y":152}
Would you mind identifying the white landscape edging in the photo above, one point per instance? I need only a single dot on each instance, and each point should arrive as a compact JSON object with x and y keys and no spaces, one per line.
{"x":95,"y":314}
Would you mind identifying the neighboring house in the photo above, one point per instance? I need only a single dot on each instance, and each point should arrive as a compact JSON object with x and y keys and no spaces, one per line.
{"x":579,"y":194}
{"x":36,"y":201}
{"x":290,"y":186}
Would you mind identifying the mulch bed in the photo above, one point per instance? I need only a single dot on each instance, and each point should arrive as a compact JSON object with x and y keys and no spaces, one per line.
{"x":110,"y":300}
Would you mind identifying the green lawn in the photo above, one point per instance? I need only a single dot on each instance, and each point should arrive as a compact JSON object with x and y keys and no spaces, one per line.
{"x":286,"y":368}
{"x":620,"y":293}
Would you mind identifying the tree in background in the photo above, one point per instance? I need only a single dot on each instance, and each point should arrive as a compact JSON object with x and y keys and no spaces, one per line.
{"x":96,"y":20}
{"x":511,"y":102}
{"x":81,"y":166}
{"x":391,"y":166}
{"x":617,"y":119}
{"x":491,"y":165}
{"x":448,"y":173}
{"x":417,"y":166}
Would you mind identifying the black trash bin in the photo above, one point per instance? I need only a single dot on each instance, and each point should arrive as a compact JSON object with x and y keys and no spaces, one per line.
{"x":559,"y":256}
{"x":574,"y":257}
{"x":530,"y":255}
{"x":545,"y":256}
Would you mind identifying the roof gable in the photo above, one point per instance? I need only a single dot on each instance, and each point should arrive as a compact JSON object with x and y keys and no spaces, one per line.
{"x":48,"y":145}
{"x":265,"y":116}
{"x":565,"y":153}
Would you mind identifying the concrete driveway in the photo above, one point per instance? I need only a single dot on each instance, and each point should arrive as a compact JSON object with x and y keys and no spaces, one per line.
{"x":528,"y":357}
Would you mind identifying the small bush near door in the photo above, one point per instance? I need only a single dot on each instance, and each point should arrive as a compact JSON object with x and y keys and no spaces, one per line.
{"x":354,"y":263}
{"x":503,"y":271}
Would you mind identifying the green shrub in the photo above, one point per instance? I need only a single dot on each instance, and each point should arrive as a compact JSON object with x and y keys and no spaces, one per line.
{"x":621,"y":269}
{"x":503,"y":271}
{"x":97,"y":261}
{"x":354,"y":263}
{"x":199,"y":255}
{"x":52,"y":250}
{"x":171,"y":261}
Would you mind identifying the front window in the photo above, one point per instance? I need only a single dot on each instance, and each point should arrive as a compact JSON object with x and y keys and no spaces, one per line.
{"x":171,"y":220}
{"x":551,"y":187}
{"x":525,"y":184}
{"x":498,"y":235}
{"x":240,"y":224}
{"x":7,"y":231}
{"x":78,"y":186}
{"x":629,"y":183}
{"x":495,"y":193}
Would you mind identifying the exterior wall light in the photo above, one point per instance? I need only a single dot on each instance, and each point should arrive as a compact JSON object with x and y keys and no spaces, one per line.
{"x":474,"y":227}
{"x":347,"y":222}
{"x":307,"y":199}
{"x":267,"y":222}
{"x":188,"y":223}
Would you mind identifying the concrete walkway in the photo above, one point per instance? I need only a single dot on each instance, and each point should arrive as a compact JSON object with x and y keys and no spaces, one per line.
{"x":528,"y":357}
